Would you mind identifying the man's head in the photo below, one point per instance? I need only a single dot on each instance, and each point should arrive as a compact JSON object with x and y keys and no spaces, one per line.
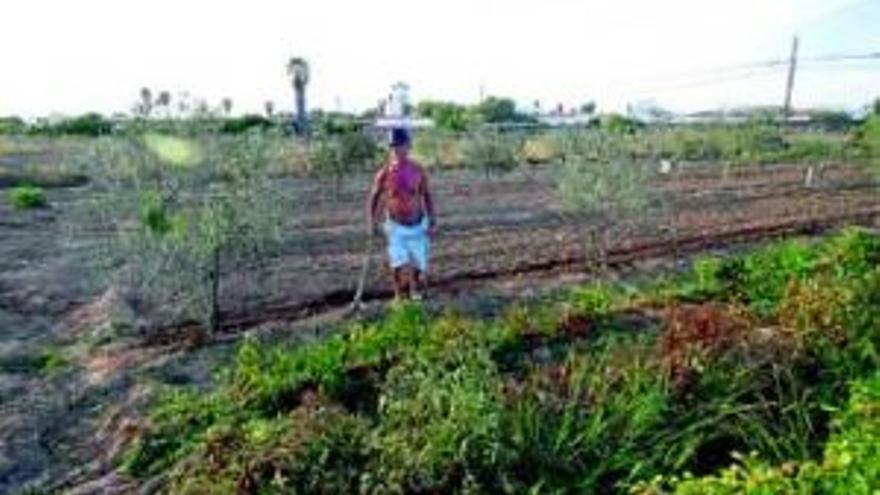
{"x":400,"y":142}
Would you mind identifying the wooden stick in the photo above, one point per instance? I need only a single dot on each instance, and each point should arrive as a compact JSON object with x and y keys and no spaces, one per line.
{"x":357,"y":303}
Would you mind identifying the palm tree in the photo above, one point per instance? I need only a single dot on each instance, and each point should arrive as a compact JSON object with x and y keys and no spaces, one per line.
{"x":164,"y":99}
{"x":146,"y":105}
{"x":226,"y":104}
{"x":298,"y":71}
{"x":163,"y":102}
{"x":269,"y":106}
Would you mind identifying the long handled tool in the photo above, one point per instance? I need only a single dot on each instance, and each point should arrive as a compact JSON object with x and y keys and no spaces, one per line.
{"x":357,"y":304}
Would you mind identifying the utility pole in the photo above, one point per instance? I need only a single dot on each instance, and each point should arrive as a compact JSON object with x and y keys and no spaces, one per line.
{"x":792,"y":67}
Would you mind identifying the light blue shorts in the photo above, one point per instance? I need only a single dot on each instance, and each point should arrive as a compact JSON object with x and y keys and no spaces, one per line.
{"x":408,"y":244}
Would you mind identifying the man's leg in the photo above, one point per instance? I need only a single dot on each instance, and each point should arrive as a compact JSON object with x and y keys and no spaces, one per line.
{"x":420,"y":250}
{"x":398,"y":276}
{"x":418,"y":286}
{"x":397,"y":260}
{"x":409,"y":280}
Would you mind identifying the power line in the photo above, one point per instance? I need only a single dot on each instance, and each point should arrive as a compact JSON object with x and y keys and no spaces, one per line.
{"x":752,"y":70}
{"x":842,"y":57}
{"x":775,"y":63}
{"x":755,"y":73}
{"x":850,"y":66}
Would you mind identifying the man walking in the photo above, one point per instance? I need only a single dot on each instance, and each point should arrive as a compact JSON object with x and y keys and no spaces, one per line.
{"x":400,"y":192}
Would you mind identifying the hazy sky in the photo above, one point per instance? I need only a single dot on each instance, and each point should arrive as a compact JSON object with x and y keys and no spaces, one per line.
{"x":74,"y":56}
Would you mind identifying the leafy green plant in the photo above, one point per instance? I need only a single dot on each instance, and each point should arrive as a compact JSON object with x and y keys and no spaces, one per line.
{"x":849,"y":465}
{"x":493,"y":152}
{"x":583,"y":425}
{"x":618,"y":124}
{"x":596,"y":195}
{"x":446,"y":116}
{"x":440,"y":426}
{"x":339,"y":156}
{"x":27,"y":197}
{"x":513,"y":405}
{"x":867,"y":138}
{"x":47,"y":362}
{"x":439,"y":149}
{"x":544,"y":148}
{"x":760,"y":279}
{"x":89,"y":124}
{"x":202,"y":208}
{"x":318,"y":448}
{"x":12,"y":125}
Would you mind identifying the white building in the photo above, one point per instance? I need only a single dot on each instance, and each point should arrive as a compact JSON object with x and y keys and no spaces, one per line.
{"x":398,"y":110}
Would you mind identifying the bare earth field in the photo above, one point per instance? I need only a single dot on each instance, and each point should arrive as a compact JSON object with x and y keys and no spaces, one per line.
{"x":72,"y":391}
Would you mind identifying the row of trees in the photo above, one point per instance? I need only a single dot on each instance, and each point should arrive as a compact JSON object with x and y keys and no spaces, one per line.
{"x":163,"y":107}
{"x":297,"y":70}
{"x":457,"y":117}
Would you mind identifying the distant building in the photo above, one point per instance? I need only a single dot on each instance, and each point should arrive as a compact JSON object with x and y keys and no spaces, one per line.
{"x":398,"y":101}
{"x":649,"y":112}
{"x":565,"y":120}
{"x":397,"y":110}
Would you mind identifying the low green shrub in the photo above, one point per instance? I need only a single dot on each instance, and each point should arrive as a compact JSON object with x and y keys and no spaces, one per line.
{"x":813,"y":148}
{"x":493,"y":152}
{"x":245,"y":123}
{"x":850,"y":464}
{"x":27,"y":197}
{"x":89,"y":124}
{"x":618,"y":124}
{"x":340,"y":155}
{"x":440,"y":426}
{"x":544,"y":148}
{"x":318,"y":448}
{"x":524,"y":404}
{"x":438,"y":149}
{"x":866,"y":138}
{"x":582,"y":426}
{"x":47,"y":363}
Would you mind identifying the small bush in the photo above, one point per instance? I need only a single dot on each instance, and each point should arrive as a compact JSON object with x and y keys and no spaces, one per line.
{"x":583,"y":425}
{"x":245,"y":123}
{"x":318,"y":448}
{"x":27,"y":197}
{"x":850,"y":465}
{"x":46,"y":363}
{"x":866,"y":140}
{"x":761,"y":278}
{"x":596,"y":187}
{"x":12,"y":125}
{"x":90,"y":124}
{"x":438,"y":149}
{"x":339,"y":156}
{"x":440,"y":427}
{"x":493,"y":152}
{"x":544,"y":148}
{"x":618,"y":124}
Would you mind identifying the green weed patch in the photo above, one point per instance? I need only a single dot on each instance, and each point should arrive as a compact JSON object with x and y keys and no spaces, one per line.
{"x":766,"y":362}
